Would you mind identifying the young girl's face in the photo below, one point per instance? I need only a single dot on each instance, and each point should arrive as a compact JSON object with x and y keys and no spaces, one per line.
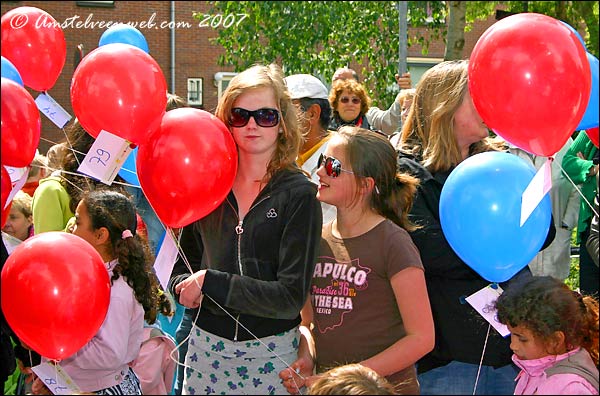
{"x":338,"y":191}
{"x":83,"y":226}
{"x":525,"y":344}
{"x":252,"y":137}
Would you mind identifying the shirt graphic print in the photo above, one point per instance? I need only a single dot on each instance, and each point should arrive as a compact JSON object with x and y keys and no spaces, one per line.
{"x":346,"y":281}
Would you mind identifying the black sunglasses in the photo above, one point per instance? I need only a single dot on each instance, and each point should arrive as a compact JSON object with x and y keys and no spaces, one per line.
{"x":333,"y":166}
{"x":265,"y":117}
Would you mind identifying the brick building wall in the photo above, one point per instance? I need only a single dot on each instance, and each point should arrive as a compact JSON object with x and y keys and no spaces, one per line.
{"x":195,"y":57}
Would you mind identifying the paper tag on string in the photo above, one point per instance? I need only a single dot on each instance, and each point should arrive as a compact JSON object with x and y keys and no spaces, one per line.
{"x":16,"y":173}
{"x":56,"y":379}
{"x":106,"y":157}
{"x":536,"y":190}
{"x":18,"y":178}
{"x":484,"y":302}
{"x":165,"y":260}
{"x":51,"y":109}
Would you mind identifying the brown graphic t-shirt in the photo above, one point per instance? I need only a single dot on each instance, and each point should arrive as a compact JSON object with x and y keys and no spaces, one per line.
{"x":355,"y":310}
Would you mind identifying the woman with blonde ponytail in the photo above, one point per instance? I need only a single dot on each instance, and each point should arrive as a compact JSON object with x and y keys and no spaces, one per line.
{"x":368,"y":300}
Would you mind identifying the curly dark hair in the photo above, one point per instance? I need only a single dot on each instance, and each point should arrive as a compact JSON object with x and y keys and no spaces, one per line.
{"x":115,"y":212}
{"x":544,"y":304}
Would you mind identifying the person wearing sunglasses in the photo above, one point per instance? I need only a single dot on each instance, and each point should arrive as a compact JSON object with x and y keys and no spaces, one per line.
{"x":390,"y":120}
{"x":369,"y":301}
{"x":350,"y":103}
{"x":251,"y":259}
{"x":310,"y":96}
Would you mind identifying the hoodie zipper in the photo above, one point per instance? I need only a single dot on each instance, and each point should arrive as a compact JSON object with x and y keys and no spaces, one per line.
{"x":239,"y":230}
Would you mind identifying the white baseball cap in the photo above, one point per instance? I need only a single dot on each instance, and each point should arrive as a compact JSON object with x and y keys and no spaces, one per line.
{"x":306,"y":86}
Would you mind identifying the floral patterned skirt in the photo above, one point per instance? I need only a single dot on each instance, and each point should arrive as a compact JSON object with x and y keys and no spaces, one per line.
{"x":216,"y":365}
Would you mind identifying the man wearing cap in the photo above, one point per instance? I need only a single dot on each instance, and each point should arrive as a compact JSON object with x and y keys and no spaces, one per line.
{"x":311,"y":97}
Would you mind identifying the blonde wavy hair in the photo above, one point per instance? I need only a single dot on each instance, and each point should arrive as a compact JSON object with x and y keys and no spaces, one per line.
{"x":290,"y":139}
{"x":428,"y":132}
{"x":351,"y":379}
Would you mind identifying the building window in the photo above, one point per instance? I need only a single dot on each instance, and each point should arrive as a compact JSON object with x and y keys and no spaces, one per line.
{"x":194,"y":96}
{"x":419,"y":65}
{"x":222,"y":81}
{"x":95,"y":3}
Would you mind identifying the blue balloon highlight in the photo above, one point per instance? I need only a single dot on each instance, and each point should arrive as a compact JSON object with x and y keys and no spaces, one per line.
{"x":590,"y":117}
{"x":125,"y":34}
{"x":480,"y":213}
{"x":10,"y":71}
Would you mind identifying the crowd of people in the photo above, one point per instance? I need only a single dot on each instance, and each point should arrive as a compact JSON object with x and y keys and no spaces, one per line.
{"x":325,"y":270}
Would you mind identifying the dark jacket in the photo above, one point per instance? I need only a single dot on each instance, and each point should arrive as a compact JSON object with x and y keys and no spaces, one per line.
{"x":274,"y":249}
{"x":7,"y":353}
{"x":360,"y":121}
{"x":459,"y":330}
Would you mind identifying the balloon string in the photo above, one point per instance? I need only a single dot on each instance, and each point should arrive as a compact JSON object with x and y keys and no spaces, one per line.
{"x":86,"y":176}
{"x":189,"y":267}
{"x":577,"y":188}
{"x":481,"y":360}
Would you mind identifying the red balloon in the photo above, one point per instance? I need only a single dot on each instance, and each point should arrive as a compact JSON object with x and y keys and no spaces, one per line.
{"x":530,"y":81}
{"x":6,"y":189}
{"x":20,"y":125}
{"x":120,"y":89}
{"x":593,"y":135}
{"x":34,"y":42}
{"x":187,"y":167}
{"x":55,"y":293}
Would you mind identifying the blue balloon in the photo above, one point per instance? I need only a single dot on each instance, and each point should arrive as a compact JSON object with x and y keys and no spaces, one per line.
{"x":125,"y":34}
{"x":480,"y":212}
{"x":128,"y":171}
{"x":571,"y":28}
{"x":590,"y":117}
{"x":10,"y":71}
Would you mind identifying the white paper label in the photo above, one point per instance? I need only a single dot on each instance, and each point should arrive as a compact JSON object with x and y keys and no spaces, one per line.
{"x":165,"y":260}
{"x":51,"y":109}
{"x":18,"y":178}
{"x":536,"y":190}
{"x":106,"y":157}
{"x":484,"y":302}
{"x":56,"y":379}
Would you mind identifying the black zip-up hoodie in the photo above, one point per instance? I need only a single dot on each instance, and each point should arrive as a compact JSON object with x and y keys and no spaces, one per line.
{"x":274,"y":249}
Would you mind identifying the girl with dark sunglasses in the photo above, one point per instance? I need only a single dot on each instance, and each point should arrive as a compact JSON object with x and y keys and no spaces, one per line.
{"x":252,"y":258}
{"x":369,"y":302}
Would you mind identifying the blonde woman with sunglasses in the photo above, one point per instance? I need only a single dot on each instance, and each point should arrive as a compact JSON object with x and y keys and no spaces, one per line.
{"x":251,"y":259}
{"x":369,"y":301}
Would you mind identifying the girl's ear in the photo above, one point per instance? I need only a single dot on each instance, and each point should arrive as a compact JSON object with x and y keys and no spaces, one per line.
{"x":102,"y":235}
{"x":556,"y":343}
{"x":368,"y":185}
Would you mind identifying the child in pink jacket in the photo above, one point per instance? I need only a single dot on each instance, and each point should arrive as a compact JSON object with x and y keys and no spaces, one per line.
{"x":154,"y":366}
{"x":554,"y":337}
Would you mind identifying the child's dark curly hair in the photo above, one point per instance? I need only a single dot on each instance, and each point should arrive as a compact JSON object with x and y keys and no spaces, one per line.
{"x":115,"y":212}
{"x":544,"y":305}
